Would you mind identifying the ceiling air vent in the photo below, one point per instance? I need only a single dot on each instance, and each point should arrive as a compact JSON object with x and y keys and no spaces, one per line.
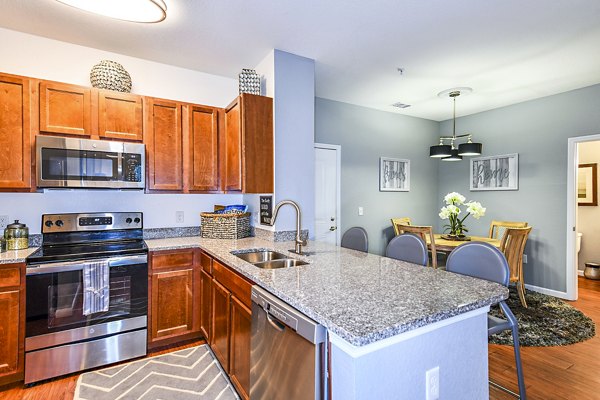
{"x":400,"y":105}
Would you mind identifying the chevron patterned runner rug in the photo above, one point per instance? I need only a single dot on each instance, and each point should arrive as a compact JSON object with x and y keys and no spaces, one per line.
{"x":189,"y":374}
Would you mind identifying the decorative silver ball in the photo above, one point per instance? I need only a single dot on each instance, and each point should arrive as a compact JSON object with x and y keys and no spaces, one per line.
{"x":110,"y":75}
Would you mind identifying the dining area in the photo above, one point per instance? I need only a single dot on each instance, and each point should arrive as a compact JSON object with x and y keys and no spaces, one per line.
{"x":496,"y":257}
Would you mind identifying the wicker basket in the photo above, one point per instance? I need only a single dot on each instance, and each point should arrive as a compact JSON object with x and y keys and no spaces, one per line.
{"x":225,"y":226}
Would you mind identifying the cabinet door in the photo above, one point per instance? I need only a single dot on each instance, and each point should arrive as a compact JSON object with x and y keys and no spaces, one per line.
{"x":220,"y":324}
{"x":15,"y":135}
{"x":9,"y":332}
{"x":257,"y":140}
{"x":172,"y":304}
{"x":206,"y":305}
{"x":120,"y":116}
{"x":203,"y":149}
{"x":65,"y":109}
{"x":239,"y":371}
{"x":233,"y":147}
{"x":163,"y":138}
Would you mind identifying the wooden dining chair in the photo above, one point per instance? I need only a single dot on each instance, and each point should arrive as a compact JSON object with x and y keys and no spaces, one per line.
{"x":400,"y":221}
{"x":513,"y":246}
{"x":422,"y":232}
{"x":497,"y":228}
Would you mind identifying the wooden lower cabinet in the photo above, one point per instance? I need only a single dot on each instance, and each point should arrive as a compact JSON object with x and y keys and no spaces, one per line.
{"x":193,"y":295}
{"x":174,"y":304}
{"x":219,"y":342}
{"x":239,"y":359}
{"x":206,"y":305}
{"x":12,"y":322}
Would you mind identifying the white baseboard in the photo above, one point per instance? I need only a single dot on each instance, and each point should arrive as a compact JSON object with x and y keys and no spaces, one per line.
{"x":580,"y":272}
{"x":550,"y":292}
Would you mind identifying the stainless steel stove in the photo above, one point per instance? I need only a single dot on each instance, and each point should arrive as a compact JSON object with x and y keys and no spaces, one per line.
{"x":62,"y":334}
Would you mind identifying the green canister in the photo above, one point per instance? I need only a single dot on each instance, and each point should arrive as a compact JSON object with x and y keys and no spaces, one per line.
{"x":16,"y":236}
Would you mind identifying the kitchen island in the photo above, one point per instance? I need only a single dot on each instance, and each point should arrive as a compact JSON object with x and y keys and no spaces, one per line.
{"x":389,"y":321}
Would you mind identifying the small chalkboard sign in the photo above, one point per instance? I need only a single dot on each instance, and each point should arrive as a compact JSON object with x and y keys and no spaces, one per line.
{"x":266,"y":209}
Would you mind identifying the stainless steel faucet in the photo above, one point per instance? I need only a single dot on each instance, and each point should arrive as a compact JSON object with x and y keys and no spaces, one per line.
{"x":299,"y":242}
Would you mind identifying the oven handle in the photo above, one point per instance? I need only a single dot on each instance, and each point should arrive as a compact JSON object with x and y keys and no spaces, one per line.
{"x":78,"y":265}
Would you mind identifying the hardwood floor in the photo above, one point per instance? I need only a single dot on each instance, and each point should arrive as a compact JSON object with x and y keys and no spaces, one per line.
{"x":551,"y":373}
{"x":560,"y":372}
{"x":64,"y":388}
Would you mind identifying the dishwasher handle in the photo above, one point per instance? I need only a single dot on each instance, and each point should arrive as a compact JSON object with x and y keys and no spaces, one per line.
{"x":275,"y":323}
{"x":279,"y":311}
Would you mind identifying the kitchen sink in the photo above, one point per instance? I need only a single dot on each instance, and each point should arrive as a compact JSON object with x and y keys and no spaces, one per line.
{"x":280,"y":263}
{"x":268,"y":259}
{"x":260,"y":256}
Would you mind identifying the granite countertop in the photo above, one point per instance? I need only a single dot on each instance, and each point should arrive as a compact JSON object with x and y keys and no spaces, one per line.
{"x":360,"y":297}
{"x":15,"y":256}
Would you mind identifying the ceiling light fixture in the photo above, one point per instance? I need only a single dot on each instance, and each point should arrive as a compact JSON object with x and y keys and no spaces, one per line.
{"x":448,"y":152}
{"x":130,"y":10}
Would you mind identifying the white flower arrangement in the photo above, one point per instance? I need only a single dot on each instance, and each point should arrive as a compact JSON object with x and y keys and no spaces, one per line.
{"x":452,"y":210}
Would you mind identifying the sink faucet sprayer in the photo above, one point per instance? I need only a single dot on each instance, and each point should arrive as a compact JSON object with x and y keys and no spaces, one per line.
{"x":299,"y":242}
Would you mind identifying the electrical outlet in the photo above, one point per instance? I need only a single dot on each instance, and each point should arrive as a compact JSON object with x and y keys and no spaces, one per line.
{"x":361,"y":211}
{"x":432,"y":383}
{"x":3,"y":221}
{"x":524,"y":258}
{"x":179,"y":217}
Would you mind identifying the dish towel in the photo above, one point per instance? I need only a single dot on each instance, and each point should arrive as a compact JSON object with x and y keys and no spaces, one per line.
{"x":96,"y":287}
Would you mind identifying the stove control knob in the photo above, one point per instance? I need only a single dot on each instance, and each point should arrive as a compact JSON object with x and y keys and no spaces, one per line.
{"x":48,"y":223}
{"x":128,"y":220}
{"x":59,"y":222}
{"x":137,"y":220}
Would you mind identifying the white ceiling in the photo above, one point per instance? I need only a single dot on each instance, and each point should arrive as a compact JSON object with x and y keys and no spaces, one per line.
{"x":508,"y":51}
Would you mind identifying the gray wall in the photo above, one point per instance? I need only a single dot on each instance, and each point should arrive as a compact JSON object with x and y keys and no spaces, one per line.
{"x":589,"y":216}
{"x":365,"y":135}
{"x":538,"y":131}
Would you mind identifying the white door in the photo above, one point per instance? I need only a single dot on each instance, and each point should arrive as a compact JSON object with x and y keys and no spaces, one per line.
{"x":327,"y":193}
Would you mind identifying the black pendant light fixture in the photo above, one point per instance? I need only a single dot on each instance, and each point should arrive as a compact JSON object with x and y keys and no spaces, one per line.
{"x":448,"y":152}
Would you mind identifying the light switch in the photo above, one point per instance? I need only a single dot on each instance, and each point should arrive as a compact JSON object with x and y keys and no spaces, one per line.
{"x":361,"y":211}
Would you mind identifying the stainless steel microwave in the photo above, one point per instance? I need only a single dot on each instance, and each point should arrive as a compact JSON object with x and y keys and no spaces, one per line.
{"x":83,"y":163}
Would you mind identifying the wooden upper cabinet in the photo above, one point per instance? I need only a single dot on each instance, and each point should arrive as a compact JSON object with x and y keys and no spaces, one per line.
{"x":15,"y":133}
{"x":233,"y":147}
{"x":120,"y":116}
{"x":249,"y":145}
{"x":164,"y":145}
{"x":202,"y":163}
{"x":65,"y":109}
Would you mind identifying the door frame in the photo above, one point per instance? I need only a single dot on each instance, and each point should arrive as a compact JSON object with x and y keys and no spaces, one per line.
{"x":572,"y":164}
{"x":338,"y":155}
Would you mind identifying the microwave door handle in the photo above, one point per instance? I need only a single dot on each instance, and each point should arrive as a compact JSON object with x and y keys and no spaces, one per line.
{"x":78,"y":265}
{"x":119,"y":167}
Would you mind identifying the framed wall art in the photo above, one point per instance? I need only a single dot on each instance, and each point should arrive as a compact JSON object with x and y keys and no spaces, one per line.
{"x":587,"y":185}
{"x":394,"y":175}
{"x":495,"y":172}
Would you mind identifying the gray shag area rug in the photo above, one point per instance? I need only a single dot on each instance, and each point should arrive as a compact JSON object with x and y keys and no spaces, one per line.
{"x":188,"y":374}
{"x":548,"y":321}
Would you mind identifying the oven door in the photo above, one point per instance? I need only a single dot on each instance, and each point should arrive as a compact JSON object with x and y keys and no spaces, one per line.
{"x":55,"y":295}
{"x":68,"y":162}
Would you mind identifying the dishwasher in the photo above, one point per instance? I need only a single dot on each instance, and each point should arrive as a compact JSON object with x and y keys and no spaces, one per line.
{"x":288,"y":351}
